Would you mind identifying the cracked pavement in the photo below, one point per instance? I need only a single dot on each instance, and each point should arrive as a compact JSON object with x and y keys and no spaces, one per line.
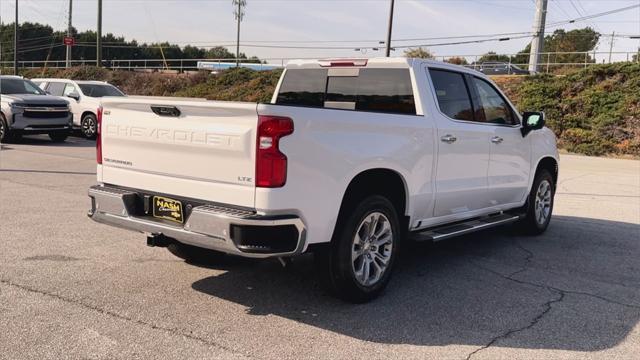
{"x":73,"y":289}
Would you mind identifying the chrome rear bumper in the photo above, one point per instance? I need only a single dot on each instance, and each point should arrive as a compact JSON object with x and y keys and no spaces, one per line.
{"x":207,"y":226}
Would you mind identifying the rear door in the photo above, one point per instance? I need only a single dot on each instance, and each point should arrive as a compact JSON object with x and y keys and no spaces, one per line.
{"x":198,"y":149}
{"x":510,"y":155}
{"x":463,"y":147}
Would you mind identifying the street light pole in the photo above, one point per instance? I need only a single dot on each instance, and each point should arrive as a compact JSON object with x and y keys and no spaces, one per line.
{"x":99,"y":36}
{"x":239,"y":13}
{"x":537,"y":44}
{"x":69,"y":34}
{"x":388,"y":51}
{"x":15,"y":43}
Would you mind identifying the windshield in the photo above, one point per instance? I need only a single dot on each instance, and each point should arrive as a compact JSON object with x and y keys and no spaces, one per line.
{"x":10,"y":86}
{"x":96,"y":90}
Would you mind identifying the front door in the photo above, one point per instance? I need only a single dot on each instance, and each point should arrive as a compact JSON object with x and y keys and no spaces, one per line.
{"x":510,"y":154}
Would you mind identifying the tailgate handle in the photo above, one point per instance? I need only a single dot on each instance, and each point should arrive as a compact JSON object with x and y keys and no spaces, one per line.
{"x":171,"y":111}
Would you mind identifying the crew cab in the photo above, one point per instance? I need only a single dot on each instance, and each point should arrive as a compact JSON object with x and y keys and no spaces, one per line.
{"x":25,"y":109}
{"x":84,"y":98}
{"x":349,"y":159}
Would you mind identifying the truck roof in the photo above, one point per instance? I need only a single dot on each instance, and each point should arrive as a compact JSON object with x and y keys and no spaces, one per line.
{"x":95,"y":82}
{"x":377,"y":62}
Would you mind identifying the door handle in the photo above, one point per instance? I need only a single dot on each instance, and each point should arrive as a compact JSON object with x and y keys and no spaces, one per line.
{"x":497,"y":139}
{"x":449,"y":139}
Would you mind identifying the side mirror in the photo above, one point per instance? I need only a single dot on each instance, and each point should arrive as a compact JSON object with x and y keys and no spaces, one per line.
{"x":74,"y":95}
{"x":532,"y":121}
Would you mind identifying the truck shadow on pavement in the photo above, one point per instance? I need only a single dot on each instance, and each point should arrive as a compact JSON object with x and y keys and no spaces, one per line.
{"x":577,"y":287}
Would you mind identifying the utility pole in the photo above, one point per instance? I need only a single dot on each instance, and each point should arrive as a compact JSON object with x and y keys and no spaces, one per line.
{"x":613,"y":36}
{"x":69,"y":34}
{"x":99,"y":36}
{"x":388,"y":51}
{"x":15,"y":43}
{"x":239,"y":13}
{"x":537,"y":44}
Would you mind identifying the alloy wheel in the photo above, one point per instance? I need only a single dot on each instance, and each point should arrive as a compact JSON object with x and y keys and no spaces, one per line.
{"x":543,"y":202}
{"x":371,"y":248}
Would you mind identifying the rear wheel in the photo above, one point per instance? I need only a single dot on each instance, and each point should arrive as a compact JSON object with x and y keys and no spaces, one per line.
{"x":58,"y":136}
{"x":358,"y":263}
{"x":194,"y":254}
{"x":540,"y":204}
{"x":89,"y":126}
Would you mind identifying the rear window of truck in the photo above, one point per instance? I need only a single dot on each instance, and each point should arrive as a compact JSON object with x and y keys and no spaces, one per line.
{"x":374,"y":90}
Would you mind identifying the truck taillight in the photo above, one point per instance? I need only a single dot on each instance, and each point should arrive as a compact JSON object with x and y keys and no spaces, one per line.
{"x":99,"y":136}
{"x":271,"y":164}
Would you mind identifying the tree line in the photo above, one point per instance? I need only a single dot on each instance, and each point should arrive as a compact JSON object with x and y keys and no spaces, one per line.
{"x":581,"y":41}
{"x":38,"y":42}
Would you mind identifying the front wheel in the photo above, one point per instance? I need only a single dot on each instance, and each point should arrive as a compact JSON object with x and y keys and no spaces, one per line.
{"x":358,"y":263}
{"x":4,"y":130}
{"x":58,"y":136}
{"x":89,"y":126}
{"x":540,"y":204}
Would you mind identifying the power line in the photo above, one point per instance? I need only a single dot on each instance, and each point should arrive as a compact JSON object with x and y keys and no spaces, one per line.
{"x":593,"y":16}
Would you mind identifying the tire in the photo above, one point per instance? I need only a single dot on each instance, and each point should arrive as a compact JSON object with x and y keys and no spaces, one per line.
{"x":194,"y":254}
{"x":4,"y":130}
{"x":539,"y":207}
{"x":58,"y":137}
{"x":89,"y":126}
{"x":353,"y":265}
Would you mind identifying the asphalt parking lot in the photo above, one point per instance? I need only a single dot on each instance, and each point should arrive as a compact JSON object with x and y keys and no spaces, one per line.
{"x":73,"y":289}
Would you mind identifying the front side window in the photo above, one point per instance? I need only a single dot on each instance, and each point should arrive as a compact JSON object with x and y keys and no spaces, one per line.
{"x":375,"y":90}
{"x":11,"y":86}
{"x":452,"y":94}
{"x":492,"y":107}
{"x":68,"y":89}
{"x":56,"y":88}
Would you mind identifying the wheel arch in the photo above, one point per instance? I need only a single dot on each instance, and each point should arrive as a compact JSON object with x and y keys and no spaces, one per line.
{"x":551,"y":164}
{"x":87,"y":112}
{"x":378,"y":181}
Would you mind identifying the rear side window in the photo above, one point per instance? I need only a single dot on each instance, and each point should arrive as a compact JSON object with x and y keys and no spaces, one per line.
{"x":375,"y":90}
{"x":452,"y":93}
{"x":303,"y":88}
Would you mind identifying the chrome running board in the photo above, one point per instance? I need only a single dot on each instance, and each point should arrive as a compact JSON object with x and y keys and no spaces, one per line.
{"x":464,"y":227}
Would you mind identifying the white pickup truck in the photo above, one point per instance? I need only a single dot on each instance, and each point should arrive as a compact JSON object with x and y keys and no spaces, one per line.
{"x":349,"y":159}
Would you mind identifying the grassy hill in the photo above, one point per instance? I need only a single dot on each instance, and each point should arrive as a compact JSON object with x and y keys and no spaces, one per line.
{"x":594,"y":111}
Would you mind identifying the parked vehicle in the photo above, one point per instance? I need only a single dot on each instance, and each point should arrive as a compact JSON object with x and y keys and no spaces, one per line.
{"x":26,"y":109}
{"x":84,"y":98}
{"x":349,"y":158}
{"x":501,"y":68}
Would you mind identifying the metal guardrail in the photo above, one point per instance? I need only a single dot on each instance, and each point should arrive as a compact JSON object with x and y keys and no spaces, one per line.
{"x":548,"y":61}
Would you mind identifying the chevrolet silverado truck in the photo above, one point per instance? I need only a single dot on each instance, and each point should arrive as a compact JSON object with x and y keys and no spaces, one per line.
{"x":349,"y":160}
{"x":26,"y":109}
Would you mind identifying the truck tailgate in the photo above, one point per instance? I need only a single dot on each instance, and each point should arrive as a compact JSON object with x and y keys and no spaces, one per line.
{"x":186,"y":147}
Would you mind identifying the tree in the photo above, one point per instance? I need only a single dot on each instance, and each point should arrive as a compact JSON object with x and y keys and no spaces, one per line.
{"x":491,"y":56}
{"x":457,"y":60}
{"x":580,"y":41}
{"x":636,"y":57}
{"x":418,"y":53}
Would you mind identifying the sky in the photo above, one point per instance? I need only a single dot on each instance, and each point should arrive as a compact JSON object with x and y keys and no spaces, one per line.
{"x":345,"y":24}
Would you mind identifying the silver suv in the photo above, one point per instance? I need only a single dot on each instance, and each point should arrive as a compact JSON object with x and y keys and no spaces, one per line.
{"x":27,"y":109}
